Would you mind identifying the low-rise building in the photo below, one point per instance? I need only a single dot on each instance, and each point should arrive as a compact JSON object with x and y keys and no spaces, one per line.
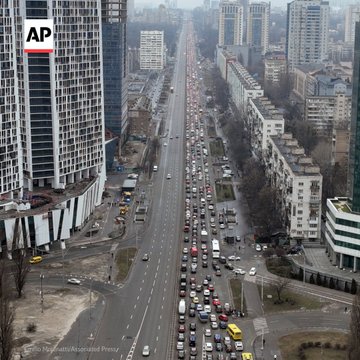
{"x":263,"y":121}
{"x":275,"y":68}
{"x":342,"y":234}
{"x":299,"y":183}
{"x":242,"y":86}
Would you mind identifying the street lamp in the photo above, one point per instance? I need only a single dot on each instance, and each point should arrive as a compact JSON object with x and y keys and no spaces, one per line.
{"x":41,"y":292}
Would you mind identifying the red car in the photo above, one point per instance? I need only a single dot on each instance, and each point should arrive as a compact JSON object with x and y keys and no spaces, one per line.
{"x":211,"y":287}
{"x":182,"y":293}
{"x":181,"y":328}
{"x":216,"y":302}
{"x":223,"y":317}
{"x":186,"y":229}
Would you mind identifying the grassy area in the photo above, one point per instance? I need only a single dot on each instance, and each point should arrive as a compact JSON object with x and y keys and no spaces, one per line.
{"x":224,"y":192}
{"x":289,"y":345}
{"x":124,"y":259}
{"x":235,"y":285}
{"x":292,"y":301}
{"x":211,"y":131}
{"x":217,"y":148}
{"x":279,"y":266}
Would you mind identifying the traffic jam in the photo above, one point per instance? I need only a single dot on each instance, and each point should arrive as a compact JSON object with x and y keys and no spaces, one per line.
{"x":205,"y":317}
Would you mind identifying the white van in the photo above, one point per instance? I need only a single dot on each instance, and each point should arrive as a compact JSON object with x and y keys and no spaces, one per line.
{"x":155,"y":168}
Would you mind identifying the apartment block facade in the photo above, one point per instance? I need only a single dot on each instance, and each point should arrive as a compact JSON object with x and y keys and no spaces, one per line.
{"x":299,"y":184}
{"x":275,"y":68}
{"x":307,"y":32}
{"x":152,"y":50}
{"x":58,"y":113}
{"x":263,"y":120}
{"x":352,"y":15}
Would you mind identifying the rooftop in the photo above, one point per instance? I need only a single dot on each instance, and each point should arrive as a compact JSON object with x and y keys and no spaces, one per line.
{"x":294,"y":155}
{"x":341,"y":204}
{"x":267,"y":109}
{"x":43,"y":200}
{"x":245,"y":78}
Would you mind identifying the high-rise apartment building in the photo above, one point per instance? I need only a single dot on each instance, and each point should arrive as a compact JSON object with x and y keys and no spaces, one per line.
{"x":258,"y":19}
{"x":11,"y":180}
{"x":307,"y":32}
{"x":152,"y":54}
{"x":352,"y":15}
{"x":231,"y":23}
{"x":52,"y":123}
{"x":343,"y":214}
{"x":115,"y":66}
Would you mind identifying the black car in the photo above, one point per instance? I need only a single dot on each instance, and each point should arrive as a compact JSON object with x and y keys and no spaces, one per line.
{"x":184,"y":258}
{"x":192,"y":341}
{"x":222,"y":325}
{"x":214,"y":264}
{"x":222,"y":260}
{"x":229,"y":266}
{"x":186,"y":239}
{"x":181,"y":319}
{"x":208,"y":277}
{"x":192,"y":312}
{"x":181,"y":354}
{"x":204,"y":264}
{"x":219,"y":347}
{"x":193,"y":351}
{"x":206,"y":300}
{"x":192,"y":327}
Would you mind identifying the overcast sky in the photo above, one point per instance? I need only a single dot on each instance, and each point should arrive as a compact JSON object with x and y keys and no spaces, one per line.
{"x":190,"y":4}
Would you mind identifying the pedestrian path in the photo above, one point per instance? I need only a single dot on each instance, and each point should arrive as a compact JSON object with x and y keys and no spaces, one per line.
{"x":251,"y":279}
{"x":260,"y":326}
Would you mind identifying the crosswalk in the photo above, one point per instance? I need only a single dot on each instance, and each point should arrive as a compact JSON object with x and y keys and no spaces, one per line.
{"x":249,"y":278}
{"x":260,"y":325}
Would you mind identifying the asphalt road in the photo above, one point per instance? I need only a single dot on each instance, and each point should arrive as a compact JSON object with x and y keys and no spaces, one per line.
{"x":143,"y":310}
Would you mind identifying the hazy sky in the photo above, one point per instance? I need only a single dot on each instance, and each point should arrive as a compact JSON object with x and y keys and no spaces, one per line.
{"x":190,"y":4}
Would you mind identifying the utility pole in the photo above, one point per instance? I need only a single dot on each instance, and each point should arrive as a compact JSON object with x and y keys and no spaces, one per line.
{"x":262,"y":339}
{"x":41,"y":293}
{"x":262,"y":289}
{"x":242,"y":297}
{"x":304,"y":270}
{"x":90,"y":299}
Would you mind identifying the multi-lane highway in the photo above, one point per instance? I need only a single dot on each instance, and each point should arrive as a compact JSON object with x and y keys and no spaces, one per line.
{"x":142,"y":313}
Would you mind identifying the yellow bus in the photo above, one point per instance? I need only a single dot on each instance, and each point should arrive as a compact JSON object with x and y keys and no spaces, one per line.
{"x":234,"y":332}
{"x":246,"y":356}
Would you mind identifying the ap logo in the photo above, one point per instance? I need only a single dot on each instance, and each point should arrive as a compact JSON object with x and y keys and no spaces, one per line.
{"x":38,"y":36}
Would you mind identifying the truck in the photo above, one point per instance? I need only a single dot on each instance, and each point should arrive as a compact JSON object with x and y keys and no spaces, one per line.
{"x":203,"y":316}
{"x":182,"y":307}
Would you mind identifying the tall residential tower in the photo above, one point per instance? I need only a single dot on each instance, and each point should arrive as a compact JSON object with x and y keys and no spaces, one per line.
{"x":231,"y":23}
{"x":258,"y":20}
{"x":52,"y":123}
{"x":307,"y":32}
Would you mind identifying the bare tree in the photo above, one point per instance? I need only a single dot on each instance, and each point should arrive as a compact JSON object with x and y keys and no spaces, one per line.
{"x":21,"y":269}
{"x":279,"y":285}
{"x":6,"y":316}
{"x":354,"y":336}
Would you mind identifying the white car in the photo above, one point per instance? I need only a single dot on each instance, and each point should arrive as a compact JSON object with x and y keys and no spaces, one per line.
{"x":146,"y":350}
{"x":222,"y":226}
{"x":213,"y":318}
{"x":208,"y":347}
{"x":165,"y":144}
{"x":211,"y":207}
{"x":258,"y":247}
{"x":185,"y":250}
{"x":192,"y":294}
{"x":180,"y":345}
{"x":264,"y":247}
{"x":252,"y":271}
{"x":231,"y":258}
{"x":133,"y":176}
{"x":214,"y":325}
{"x":74,"y":281}
{"x":239,"y":346}
{"x":207,"y":308}
{"x":207,"y":332}
{"x":168,"y":176}
{"x":206,"y":292}
{"x":239,"y":271}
